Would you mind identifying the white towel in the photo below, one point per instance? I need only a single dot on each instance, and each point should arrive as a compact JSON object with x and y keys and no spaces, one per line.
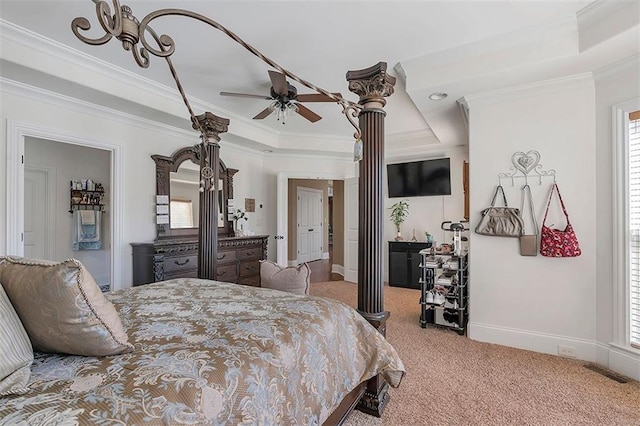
{"x":87,"y":217}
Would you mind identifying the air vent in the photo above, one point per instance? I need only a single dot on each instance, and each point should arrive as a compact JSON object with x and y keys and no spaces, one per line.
{"x":607,"y":373}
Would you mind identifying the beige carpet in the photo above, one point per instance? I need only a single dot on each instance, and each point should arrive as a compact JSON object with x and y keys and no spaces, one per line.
{"x":452,"y":380}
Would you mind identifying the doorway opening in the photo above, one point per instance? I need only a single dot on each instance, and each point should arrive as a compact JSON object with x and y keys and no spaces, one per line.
{"x":316,"y":227}
{"x":49,"y":217}
{"x":17,"y":136}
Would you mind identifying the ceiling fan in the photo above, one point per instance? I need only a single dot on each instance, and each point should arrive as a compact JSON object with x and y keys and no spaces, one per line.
{"x":285,"y":100}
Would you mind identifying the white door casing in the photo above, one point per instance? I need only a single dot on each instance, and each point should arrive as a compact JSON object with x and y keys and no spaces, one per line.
{"x":309,"y":227}
{"x":351,"y":230}
{"x":16,"y":134}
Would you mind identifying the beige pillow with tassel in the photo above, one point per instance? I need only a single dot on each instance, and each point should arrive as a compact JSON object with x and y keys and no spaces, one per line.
{"x":62,"y":308}
{"x":294,"y":279}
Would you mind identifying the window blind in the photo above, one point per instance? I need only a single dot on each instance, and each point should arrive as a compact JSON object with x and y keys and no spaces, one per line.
{"x":634,"y":227}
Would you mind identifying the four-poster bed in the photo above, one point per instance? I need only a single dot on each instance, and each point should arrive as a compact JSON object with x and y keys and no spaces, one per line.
{"x":366,"y":389}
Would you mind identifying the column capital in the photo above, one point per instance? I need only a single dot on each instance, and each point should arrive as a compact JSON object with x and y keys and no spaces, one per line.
{"x":211,"y":126}
{"x":372,"y":84}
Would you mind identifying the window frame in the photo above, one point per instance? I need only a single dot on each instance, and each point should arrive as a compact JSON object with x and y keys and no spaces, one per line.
{"x":621,"y":241}
{"x":185,"y":201}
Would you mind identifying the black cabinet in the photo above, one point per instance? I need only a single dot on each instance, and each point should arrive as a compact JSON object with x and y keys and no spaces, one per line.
{"x":404,"y":263}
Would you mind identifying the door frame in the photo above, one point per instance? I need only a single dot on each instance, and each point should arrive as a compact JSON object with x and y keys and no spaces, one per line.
{"x":282,"y":201}
{"x":16,"y":134}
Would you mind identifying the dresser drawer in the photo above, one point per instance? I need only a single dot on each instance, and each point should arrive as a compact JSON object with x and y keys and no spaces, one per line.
{"x":250,"y":253}
{"x":226,"y":256}
{"x":180,"y":263}
{"x":228,"y":273}
{"x":253,"y":281}
{"x":250,"y":267}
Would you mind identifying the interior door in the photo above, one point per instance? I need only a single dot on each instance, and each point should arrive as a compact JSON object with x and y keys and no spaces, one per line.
{"x":310,"y":224}
{"x":36,"y":244}
{"x":351,"y":229}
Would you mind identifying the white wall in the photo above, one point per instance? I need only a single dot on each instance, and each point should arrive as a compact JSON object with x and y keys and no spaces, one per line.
{"x":535,"y":303}
{"x":73,"y":162}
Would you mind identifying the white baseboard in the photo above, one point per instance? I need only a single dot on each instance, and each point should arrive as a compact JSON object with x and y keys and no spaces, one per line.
{"x":325,"y":255}
{"x":533,"y":341}
{"x":293,"y":262}
{"x":337,"y":269}
{"x":624,"y":361}
{"x":619,"y":359}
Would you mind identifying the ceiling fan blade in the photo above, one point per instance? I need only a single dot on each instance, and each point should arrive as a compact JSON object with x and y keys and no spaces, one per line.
{"x":246,"y":95}
{"x":279,"y":83}
{"x":307,"y":113}
{"x":316,"y":97}
{"x":262,"y":114}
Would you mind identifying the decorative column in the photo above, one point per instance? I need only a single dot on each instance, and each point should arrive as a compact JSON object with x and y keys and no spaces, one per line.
{"x":210,"y":127}
{"x":372,"y":85}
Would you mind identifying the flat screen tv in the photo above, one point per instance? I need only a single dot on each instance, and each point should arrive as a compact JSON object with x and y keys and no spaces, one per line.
{"x":419,"y":178}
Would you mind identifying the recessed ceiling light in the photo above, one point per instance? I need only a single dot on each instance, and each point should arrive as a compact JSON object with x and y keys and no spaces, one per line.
{"x":437,"y":96}
{"x":267,"y":150}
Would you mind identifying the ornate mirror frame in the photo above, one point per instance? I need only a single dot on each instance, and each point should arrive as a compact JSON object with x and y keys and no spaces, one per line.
{"x":166,"y":165}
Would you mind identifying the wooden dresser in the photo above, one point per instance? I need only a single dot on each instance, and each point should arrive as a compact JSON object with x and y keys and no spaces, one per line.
{"x":238,"y":259}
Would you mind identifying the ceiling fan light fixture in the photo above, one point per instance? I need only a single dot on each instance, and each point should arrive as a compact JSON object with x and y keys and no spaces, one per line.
{"x":283,"y":110}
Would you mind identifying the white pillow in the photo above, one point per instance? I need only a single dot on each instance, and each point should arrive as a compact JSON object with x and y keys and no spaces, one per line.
{"x":16,"y":353}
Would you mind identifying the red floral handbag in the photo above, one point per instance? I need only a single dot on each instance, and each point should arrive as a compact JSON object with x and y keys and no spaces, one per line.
{"x":556,"y":242}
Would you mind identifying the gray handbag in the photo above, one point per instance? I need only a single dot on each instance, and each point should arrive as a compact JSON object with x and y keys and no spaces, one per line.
{"x":500,"y":221}
{"x":528,"y":242}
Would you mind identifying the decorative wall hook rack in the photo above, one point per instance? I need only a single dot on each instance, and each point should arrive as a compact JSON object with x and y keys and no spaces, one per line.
{"x":526,"y":165}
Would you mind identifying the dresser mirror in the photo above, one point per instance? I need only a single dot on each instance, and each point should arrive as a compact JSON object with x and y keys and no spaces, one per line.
{"x":178,"y":177}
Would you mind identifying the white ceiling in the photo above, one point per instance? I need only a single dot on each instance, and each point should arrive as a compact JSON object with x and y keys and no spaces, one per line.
{"x":461,"y":47}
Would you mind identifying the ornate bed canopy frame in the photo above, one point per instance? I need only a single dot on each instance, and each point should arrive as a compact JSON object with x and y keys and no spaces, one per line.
{"x":372,"y":85}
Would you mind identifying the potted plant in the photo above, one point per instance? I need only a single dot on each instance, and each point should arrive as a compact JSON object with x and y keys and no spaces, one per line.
{"x":399,"y":212}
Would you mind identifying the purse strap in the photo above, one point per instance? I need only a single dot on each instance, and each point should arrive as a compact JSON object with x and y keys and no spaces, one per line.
{"x":499,"y":188}
{"x":527,"y":189}
{"x":555,"y":188}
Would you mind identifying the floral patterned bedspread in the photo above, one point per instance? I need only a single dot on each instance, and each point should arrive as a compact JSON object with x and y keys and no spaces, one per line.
{"x":213,"y":353}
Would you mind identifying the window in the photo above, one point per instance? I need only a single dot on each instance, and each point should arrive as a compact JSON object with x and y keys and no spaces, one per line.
{"x":633,"y":179}
{"x":181,"y":214}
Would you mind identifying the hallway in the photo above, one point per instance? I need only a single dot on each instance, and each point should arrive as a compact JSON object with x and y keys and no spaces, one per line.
{"x":321,"y":269}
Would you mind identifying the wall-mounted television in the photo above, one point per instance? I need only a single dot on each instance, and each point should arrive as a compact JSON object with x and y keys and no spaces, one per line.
{"x":419,"y":178}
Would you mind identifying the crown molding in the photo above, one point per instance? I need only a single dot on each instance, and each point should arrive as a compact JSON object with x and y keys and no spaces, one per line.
{"x":602,"y":21}
{"x":53,"y":98}
{"x":597,"y":11}
{"x":629,"y":64}
{"x":525,"y":90}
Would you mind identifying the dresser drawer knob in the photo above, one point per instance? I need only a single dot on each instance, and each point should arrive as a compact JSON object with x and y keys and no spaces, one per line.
{"x":177,"y":262}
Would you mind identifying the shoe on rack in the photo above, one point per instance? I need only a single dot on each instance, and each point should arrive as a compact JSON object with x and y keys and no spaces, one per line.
{"x":429,"y":297}
{"x":438,"y":298}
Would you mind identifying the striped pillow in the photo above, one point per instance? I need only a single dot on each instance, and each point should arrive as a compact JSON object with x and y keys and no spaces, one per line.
{"x":16,"y":353}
